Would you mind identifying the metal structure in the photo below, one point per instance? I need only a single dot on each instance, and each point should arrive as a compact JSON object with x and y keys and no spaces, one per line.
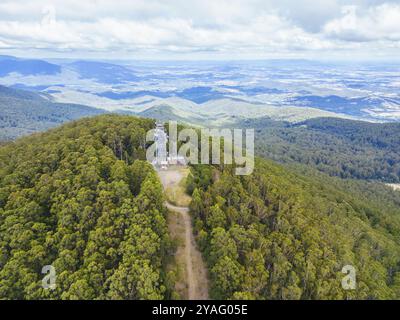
{"x":161,"y":139}
{"x":162,"y":158}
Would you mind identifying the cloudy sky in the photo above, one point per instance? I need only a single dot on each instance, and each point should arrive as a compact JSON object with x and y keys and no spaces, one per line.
{"x":201,"y":29}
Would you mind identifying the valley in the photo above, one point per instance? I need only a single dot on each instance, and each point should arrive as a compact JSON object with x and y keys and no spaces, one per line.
{"x":292,"y":90}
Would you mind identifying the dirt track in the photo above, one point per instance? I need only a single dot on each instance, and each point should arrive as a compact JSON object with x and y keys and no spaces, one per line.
{"x":195,"y":268}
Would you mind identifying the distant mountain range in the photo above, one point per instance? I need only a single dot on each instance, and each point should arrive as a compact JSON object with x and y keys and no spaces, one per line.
{"x":366,"y":91}
{"x":321,"y":139}
{"x":102,"y":72}
{"x":224,"y":112}
{"x":26,"y":67}
{"x":37,"y":94}
{"x":23,"y":112}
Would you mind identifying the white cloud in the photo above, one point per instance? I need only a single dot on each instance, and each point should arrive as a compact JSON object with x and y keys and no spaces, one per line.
{"x":374,"y":24}
{"x":226,"y":26}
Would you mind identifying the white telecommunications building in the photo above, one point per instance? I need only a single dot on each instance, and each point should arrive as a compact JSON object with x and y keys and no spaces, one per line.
{"x":162,"y":159}
{"x":160,"y":139}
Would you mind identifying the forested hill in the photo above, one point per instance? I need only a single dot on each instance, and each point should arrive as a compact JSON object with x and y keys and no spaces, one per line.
{"x":280,"y":235}
{"x":82,"y":199}
{"x":339,"y":147}
{"x":23,"y":112}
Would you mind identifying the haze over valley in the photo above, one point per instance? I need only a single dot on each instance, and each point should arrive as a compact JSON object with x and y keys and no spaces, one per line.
{"x":216,"y":92}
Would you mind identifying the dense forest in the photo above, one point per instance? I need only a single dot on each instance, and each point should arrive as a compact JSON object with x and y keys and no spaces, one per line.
{"x":82,"y":199}
{"x":277,"y":234}
{"x":339,"y":147}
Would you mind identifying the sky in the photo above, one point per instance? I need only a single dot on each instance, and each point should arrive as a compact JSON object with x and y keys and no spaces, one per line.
{"x":201,"y":29}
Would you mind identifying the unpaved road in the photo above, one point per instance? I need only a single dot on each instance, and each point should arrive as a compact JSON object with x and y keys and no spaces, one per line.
{"x":195,"y":267}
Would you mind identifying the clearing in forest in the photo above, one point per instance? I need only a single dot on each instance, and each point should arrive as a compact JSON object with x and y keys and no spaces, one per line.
{"x":192,"y":282}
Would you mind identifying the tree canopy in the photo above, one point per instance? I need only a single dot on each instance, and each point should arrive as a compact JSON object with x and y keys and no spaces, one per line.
{"x":82,"y":199}
{"x":277,"y":234}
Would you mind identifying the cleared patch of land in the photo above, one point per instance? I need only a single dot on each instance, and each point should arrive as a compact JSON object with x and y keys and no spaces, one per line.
{"x":174,"y":180}
{"x":395,"y":186}
{"x":192,"y":285}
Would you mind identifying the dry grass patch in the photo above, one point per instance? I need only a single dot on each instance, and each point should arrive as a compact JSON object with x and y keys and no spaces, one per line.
{"x":176,"y":191}
{"x":177,"y":267}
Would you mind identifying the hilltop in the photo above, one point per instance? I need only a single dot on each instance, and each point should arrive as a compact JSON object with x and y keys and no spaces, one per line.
{"x":23,"y":112}
{"x":82,"y":198}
